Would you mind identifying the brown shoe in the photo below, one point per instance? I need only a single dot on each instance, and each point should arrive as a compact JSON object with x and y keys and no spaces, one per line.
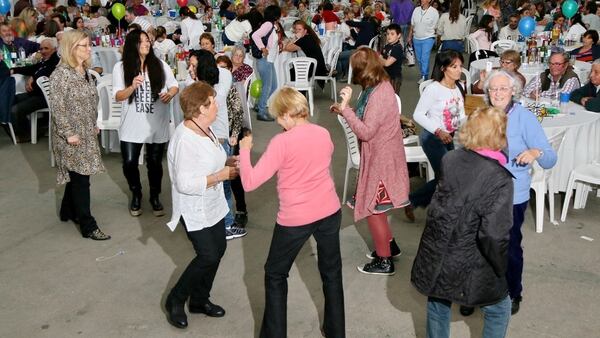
{"x":409,"y":211}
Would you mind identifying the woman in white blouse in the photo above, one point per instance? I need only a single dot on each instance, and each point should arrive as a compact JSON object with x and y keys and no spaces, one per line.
{"x":191,"y":29}
{"x":197,"y":166}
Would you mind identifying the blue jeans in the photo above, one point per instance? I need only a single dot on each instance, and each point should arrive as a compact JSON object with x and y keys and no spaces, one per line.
{"x":514,"y":270}
{"x":227,"y":188}
{"x":434,"y":150}
{"x":457,"y":45}
{"x":343,"y":63}
{"x":422,"y":53}
{"x":266,"y":70}
{"x":495,"y":318}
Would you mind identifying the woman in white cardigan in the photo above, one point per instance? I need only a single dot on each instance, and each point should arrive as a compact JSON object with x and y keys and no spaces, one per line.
{"x":191,"y":29}
{"x":197,"y":166}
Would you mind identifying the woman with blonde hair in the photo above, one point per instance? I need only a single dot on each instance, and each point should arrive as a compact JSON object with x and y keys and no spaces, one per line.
{"x":73,"y":101}
{"x":376,"y":122}
{"x":29,"y":15}
{"x":462,"y":256}
{"x":198,"y":166}
{"x":308,"y":206}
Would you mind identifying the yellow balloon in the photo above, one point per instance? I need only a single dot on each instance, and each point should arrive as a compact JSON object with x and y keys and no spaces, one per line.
{"x":193,"y":9}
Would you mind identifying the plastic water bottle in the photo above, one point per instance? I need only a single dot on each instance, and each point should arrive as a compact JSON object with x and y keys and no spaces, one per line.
{"x":564,"y":101}
{"x":22,"y":54}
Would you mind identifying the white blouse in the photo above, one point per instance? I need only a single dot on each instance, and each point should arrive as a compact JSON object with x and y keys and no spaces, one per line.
{"x":191,"y":159}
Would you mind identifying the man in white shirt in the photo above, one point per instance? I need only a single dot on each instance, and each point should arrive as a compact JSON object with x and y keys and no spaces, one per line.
{"x":589,"y":18}
{"x":422,"y":35}
{"x":510,"y":31}
{"x":130,"y":17}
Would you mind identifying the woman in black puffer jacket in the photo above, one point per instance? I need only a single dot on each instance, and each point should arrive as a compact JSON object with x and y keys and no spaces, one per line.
{"x":462,"y":256}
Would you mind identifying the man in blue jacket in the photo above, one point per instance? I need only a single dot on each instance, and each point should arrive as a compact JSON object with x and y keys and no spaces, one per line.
{"x":8,"y":39}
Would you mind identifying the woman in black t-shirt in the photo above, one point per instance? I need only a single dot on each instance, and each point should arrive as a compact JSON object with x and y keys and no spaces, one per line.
{"x":310,"y":44}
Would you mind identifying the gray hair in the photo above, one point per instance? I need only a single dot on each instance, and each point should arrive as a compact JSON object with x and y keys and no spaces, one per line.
{"x":596,"y":62}
{"x":238,"y":48}
{"x":52,"y":41}
{"x":514,"y":83}
{"x":566,"y":56}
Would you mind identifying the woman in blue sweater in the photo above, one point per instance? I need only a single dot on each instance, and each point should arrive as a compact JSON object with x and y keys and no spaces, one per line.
{"x":526,"y":143}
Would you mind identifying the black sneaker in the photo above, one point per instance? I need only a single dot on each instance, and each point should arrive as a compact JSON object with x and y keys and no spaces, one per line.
{"x":241,"y":218}
{"x":466,"y":310}
{"x":234,"y":232}
{"x":379,"y":266}
{"x":516,"y":304}
{"x":394,"y":249}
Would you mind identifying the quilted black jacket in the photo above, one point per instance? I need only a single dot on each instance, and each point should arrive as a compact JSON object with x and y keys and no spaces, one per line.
{"x":462,"y":256}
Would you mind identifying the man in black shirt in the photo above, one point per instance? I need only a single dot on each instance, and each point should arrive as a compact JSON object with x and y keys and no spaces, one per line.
{"x":392,"y":56}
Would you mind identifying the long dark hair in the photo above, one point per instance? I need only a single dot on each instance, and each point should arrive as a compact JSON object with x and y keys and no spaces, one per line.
{"x":254,"y":17}
{"x":187,"y":12}
{"x":485,"y":25}
{"x":207,"y":69}
{"x":132,"y":65}
{"x":454,"y":12}
{"x":442,"y":61}
{"x":309,"y":31}
{"x":272,"y":13}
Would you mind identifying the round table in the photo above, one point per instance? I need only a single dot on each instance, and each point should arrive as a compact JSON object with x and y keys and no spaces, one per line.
{"x":581,"y":144}
{"x":108,"y":57}
{"x":582,"y":69}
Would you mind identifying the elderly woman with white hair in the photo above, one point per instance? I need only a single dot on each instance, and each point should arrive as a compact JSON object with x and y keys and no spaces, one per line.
{"x":526,"y":143}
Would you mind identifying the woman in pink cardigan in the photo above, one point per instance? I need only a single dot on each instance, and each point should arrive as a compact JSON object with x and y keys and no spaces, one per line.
{"x":308,"y":205}
{"x":383,"y":177}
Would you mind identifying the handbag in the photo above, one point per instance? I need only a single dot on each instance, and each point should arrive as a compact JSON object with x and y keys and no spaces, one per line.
{"x":254,"y":50}
{"x":409,"y":53}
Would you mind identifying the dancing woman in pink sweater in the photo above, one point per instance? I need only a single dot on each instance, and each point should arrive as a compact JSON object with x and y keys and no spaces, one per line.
{"x":308,"y":205}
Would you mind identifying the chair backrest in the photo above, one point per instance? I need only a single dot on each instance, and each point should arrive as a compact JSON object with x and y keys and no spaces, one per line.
{"x":44,"y":83}
{"x":351,"y":142}
{"x":423,"y":85}
{"x":106,"y":95}
{"x":302,"y":68}
{"x":500,"y":46}
{"x":333,"y":56}
{"x":473,"y":44}
{"x":374,"y":42}
{"x":95,"y":75}
{"x":467,"y":80}
{"x":469,"y":22}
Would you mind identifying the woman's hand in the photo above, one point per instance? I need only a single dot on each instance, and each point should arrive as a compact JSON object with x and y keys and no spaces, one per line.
{"x":233,"y":161}
{"x":346,"y":95}
{"x":445,"y":137}
{"x":528,"y":156}
{"x":73,"y":140}
{"x":335,"y":108}
{"x":137,"y":81}
{"x":264,"y":51}
{"x":233,"y":140}
{"x":165,"y":97}
{"x":229,"y":173}
{"x":246,"y":142}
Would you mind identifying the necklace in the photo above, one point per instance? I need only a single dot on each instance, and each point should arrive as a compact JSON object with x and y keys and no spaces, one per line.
{"x":450,"y":86}
{"x":213,"y":138}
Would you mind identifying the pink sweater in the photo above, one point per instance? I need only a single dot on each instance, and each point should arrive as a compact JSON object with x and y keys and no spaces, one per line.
{"x":301,"y":157}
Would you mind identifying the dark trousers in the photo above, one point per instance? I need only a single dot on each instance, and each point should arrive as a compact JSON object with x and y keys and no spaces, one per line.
{"x":197,"y":279}
{"x":285,"y":245}
{"x":236,"y":184}
{"x":154,"y":155}
{"x":435,"y":151}
{"x":76,"y":203}
{"x":514,"y":271}
{"x":23,"y":105}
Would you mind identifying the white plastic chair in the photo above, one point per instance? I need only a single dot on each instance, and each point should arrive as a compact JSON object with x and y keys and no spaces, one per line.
{"x":587,"y":173}
{"x":415,"y":154}
{"x":353,"y":158}
{"x":469,"y":22}
{"x":500,"y":46}
{"x":115,"y":108}
{"x":467,"y":80}
{"x":374,"y":42}
{"x":332,"y":58}
{"x":95,"y":75}
{"x":541,"y":181}
{"x":33,"y":117}
{"x":250,"y":101}
{"x":473,"y":44}
{"x":304,"y":69}
{"x":44,"y":83}
{"x":423,"y":85}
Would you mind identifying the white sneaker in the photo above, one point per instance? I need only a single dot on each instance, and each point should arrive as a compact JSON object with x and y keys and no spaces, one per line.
{"x":421,"y":80}
{"x":234,"y":232}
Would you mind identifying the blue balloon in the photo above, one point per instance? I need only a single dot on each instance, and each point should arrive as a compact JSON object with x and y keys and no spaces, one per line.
{"x":4,"y":6}
{"x":80,"y":2}
{"x":527,"y":26}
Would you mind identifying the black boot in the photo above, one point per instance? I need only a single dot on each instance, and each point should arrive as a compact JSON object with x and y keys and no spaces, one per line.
{"x":135,"y":207}
{"x":176,"y":314}
{"x":157,"y":207}
{"x":378,"y":266}
{"x":394,"y":249}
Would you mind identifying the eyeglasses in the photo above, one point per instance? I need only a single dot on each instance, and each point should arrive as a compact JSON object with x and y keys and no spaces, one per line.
{"x":84,"y":45}
{"x":499,"y":89}
{"x":556,"y":64}
{"x":505,"y":62}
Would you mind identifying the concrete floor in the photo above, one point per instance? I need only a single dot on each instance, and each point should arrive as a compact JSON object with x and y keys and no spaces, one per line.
{"x":56,"y":284}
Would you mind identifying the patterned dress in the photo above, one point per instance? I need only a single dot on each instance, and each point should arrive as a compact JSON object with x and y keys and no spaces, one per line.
{"x":74,"y":107}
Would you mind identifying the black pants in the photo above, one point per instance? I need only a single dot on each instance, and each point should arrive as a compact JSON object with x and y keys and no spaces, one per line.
{"x":154,"y":155}
{"x":236,"y":183}
{"x":23,"y":105}
{"x":285,"y":245}
{"x":197,"y":279}
{"x":76,"y":203}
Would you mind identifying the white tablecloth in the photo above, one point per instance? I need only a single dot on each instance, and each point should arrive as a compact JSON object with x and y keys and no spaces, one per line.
{"x":108,"y":57}
{"x":581,"y":144}
{"x":582,"y":69}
